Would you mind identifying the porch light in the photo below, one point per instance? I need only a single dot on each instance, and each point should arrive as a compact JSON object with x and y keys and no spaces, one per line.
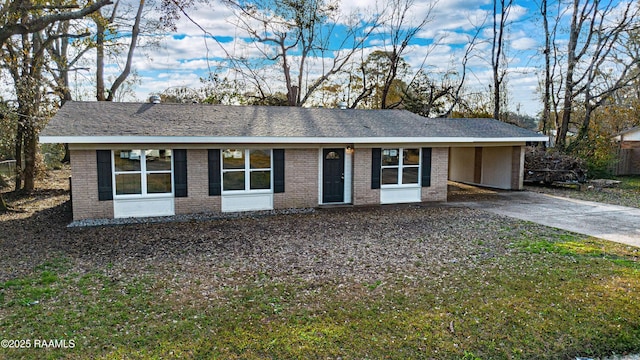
{"x":350,"y":150}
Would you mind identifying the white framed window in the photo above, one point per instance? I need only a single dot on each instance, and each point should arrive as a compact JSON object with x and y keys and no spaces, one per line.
{"x":246,"y":170}
{"x":400,"y":166}
{"x":138,"y":173}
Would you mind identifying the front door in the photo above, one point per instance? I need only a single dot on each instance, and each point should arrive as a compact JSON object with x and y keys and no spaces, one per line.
{"x":333,"y":176}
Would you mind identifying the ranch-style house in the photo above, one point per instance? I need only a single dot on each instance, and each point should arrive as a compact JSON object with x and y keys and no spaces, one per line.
{"x":150,"y":159}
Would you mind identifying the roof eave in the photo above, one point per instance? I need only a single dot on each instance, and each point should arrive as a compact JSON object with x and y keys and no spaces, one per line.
{"x":278,"y":140}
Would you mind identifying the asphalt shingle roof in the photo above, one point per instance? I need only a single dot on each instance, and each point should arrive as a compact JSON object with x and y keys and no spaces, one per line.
{"x":88,"y":119}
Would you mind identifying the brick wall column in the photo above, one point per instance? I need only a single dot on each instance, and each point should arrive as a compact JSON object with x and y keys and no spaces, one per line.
{"x":363,"y":194}
{"x":300,"y":180}
{"x":439,"y":176}
{"x":84,"y":185}
{"x":198,"y":199}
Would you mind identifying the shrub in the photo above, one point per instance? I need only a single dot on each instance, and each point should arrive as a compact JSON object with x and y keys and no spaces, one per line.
{"x":598,"y":152}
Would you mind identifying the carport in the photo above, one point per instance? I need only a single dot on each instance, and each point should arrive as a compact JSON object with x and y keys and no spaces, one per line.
{"x":488,"y":165}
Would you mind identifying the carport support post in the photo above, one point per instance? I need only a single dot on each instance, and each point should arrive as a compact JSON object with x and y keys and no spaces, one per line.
{"x":477,"y":166}
{"x":517,"y":168}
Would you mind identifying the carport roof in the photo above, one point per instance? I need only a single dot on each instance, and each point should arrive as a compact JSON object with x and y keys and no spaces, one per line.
{"x":111,"y":122}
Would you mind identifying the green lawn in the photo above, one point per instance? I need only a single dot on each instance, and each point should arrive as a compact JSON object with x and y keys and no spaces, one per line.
{"x":555,"y":297}
{"x":630,"y":182}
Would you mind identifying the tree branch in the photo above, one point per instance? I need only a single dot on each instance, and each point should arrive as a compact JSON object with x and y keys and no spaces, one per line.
{"x":41,"y":23}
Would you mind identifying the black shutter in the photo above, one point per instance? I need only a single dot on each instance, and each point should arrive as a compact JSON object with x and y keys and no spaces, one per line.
{"x":426,"y":167}
{"x":215,"y":183}
{"x":105,"y":184}
{"x":278,"y":170}
{"x":376,"y":159}
{"x":180,"y":172}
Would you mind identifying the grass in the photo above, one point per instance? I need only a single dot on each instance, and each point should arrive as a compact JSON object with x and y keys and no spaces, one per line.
{"x":553,"y":297}
{"x":627,"y":193}
{"x":629,"y":182}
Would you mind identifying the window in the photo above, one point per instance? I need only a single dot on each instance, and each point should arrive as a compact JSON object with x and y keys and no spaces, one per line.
{"x":246,"y":170}
{"x":400,"y":166}
{"x":332,"y":156}
{"x":142,"y":172}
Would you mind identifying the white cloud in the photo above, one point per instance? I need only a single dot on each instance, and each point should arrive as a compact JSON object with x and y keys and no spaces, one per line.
{"x":182,"y":58}
{"x":524,"y":43}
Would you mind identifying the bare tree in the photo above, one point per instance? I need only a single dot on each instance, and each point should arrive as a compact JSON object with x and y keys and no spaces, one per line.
{"x":24,"y":59}
{"x":110,"y":24}
{"x":612,"y":66}
{"x":294,"y":35}
{"x":23,"y":40}
{"x":455,"y":96}
{"x":102,"y":24}
{"x":597,"y":30}
{"x":398,"y":31}
{"x":64,"y":63}
{"x":421,"y":91}
{"x":546,"y":97}
{"x":501,"y":10}
{"x":551,"y":13}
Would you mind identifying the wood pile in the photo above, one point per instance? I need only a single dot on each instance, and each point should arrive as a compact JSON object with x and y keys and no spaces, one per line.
{"x":552,"y":166}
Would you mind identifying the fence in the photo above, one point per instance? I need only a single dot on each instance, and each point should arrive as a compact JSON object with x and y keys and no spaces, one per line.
{"x":628,"y":160}
{"x":8,"y":168}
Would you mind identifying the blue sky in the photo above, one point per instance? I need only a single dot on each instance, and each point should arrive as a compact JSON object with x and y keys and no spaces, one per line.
{"x":181,"y":60}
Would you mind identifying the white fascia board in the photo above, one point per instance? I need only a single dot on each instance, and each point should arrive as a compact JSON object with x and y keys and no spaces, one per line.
{"x":275,"y":140}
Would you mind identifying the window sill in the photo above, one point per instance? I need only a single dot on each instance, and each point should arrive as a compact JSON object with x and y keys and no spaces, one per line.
{"x":247,"y":192}
{"x":403,"y":186}
{"x":145,"y":196}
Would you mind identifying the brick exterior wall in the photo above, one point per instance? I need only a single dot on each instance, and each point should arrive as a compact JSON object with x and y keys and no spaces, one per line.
{"x":517,"y":168}
{"x":439,"y":176}
{"x":84,"y":187}
{"x":198,"y":199}
{"x":363,"y":194}
{"x":301,"y":180}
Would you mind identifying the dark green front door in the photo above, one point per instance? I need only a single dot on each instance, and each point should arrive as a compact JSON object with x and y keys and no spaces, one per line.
{"x":333,"y":176}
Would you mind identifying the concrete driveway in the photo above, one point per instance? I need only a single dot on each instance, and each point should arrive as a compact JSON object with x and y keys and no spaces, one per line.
{"x":611,"y":222}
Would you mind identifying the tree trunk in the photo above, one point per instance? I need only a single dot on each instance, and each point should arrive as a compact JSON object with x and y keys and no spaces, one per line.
{"x":135,"y":32}
{"x":100,"y":29}
{"x":30,"y":151}
{"x":391,"y":76}
{"x":499,"y":24}
{"x":496,"y":48}
{"x":546,"y":111}
{"x":586,"y":122}
{"x":567,"y":108}
{"x":3,"y":204}
{"x":19,"y":143}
